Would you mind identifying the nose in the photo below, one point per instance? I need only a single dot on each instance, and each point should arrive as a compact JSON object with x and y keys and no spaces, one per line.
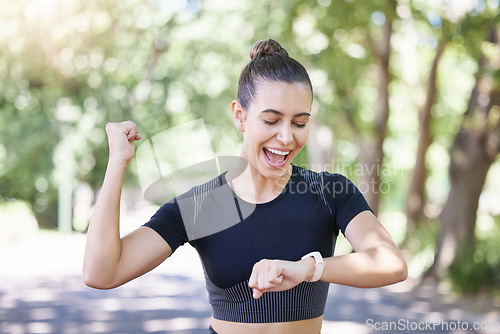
{"x":285,"y":135}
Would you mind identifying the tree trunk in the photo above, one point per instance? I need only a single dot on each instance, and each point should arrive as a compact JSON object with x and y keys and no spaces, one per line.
{"x":415,"y":199}
{"x":372,"y":153}
{"x":475,"y":148}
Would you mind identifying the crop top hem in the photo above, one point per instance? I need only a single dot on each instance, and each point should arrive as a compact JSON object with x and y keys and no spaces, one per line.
{"x":304,"y":301}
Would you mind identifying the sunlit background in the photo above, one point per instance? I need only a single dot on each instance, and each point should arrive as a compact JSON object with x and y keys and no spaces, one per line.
{"x":402,"y":91}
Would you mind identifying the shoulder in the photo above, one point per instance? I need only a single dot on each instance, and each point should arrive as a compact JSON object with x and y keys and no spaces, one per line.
{"x":201,"y":188}
{"x":198,"y":191}
{"x":333,"y":186}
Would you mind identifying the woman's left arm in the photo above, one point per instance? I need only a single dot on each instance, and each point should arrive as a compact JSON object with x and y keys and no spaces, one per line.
{"x":377,"y":261}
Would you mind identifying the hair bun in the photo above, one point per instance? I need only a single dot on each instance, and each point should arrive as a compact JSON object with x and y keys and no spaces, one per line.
{"x":267,"y":48}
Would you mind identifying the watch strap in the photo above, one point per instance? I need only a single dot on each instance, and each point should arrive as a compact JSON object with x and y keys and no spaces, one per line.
{"x":318,"y":266}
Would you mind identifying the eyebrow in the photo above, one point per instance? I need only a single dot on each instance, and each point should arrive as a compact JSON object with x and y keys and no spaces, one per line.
{"x":273,"y":111}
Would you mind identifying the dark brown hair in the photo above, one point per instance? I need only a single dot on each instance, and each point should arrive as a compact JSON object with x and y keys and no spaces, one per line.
{"x":269,"y":62}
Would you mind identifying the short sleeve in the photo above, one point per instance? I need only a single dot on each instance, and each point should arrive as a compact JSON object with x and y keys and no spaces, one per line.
{"x":347,"y":201}
{"x":167,"y":222}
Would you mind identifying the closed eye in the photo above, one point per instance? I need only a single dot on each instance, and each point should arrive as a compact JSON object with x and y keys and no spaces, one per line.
{"x":298,"y":125}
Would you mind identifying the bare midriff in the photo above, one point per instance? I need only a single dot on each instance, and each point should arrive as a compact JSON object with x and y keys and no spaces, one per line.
{"x":309,"y":326}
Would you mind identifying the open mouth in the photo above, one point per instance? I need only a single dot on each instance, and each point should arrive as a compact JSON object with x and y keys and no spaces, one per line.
{"x":276,"y":158}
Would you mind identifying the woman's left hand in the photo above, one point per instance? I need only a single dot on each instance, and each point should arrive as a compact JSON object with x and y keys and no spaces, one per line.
{"x":279,"y":275}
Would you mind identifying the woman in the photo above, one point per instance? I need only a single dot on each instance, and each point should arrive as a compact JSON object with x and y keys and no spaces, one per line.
{"x":269,"y":272}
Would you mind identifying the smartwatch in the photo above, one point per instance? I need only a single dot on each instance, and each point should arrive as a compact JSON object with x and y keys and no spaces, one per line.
{"x":318,"y":266}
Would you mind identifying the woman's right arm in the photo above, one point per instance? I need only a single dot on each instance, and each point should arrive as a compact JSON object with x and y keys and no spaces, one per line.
{"x":110,"y":261}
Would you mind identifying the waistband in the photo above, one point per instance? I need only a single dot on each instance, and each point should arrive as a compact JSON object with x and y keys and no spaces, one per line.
{"x":304,"y":301}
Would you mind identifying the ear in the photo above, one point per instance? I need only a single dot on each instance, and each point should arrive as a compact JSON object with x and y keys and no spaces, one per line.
{"x":238,"y":115}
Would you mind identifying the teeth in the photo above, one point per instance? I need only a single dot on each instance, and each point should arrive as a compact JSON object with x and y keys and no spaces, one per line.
{"x":276,"y":151}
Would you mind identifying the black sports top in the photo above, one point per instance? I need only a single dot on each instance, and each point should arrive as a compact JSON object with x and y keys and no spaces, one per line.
{"x":231,"y":235}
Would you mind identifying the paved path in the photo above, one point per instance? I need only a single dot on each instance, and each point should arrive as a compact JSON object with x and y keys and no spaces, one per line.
{"x":41,"y":292}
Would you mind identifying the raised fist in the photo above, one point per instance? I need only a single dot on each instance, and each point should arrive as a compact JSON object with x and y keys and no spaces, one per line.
{"x":121,"y":137}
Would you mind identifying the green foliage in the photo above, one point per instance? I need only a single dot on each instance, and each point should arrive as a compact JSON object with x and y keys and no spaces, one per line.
{"x":422,"y":247}
{"x":69,"y":68}
{"x":477,"y":267}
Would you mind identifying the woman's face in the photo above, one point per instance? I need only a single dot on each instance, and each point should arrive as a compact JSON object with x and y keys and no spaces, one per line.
{"x":275,"y":126}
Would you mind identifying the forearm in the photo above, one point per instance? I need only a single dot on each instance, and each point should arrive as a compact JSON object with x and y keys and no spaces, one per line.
{"x":103,"y":246}
{"x":374,"y":267}
{"x":377,"y":262}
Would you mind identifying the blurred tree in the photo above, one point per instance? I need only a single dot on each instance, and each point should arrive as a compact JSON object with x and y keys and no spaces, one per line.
{"x":450,"y":28}
{"x":416,"y":199}
{"x":372,"y":153}
{"x":444,"y":31}
{"x":475,"y":148}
